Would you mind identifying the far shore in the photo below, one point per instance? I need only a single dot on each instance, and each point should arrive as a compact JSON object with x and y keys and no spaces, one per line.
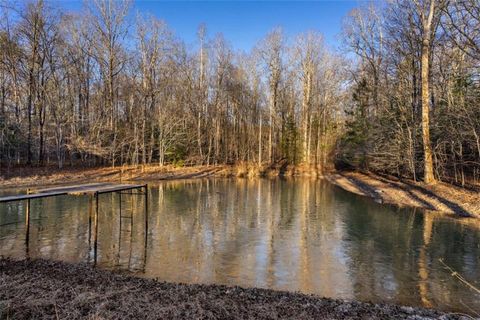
{"x":25,"y":177}
{"x":440,"y":197}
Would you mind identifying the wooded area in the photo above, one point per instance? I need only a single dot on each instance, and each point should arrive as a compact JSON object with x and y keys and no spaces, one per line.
{"x":416,"y":89}
{"x":106,"y":87}
{"x":103,"y":88}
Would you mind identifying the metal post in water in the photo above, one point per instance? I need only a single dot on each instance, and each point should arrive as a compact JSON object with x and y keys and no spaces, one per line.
{"x":95,"y":238}
{"x":120,"y":202}
{"x":90,"y":214}
{"x":120,"y":214}
{"x":27,"y":229}
{"x":146,"y":224}
{"x":120,"y":226}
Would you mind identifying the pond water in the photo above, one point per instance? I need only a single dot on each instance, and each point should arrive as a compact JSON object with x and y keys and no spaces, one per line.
{"x":299,"y":235}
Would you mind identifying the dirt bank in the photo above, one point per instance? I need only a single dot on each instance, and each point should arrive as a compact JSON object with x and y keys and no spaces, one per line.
{"x":24,"y":177}
{"x":54,"y":290}
{"x":438,"y":197}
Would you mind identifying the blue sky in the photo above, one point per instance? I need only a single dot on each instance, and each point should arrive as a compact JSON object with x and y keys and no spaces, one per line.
{"x":243,"y":23}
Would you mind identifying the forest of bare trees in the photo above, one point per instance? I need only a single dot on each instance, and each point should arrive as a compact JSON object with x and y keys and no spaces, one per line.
{"x":106,"y":86}
{"x":415,"y":89}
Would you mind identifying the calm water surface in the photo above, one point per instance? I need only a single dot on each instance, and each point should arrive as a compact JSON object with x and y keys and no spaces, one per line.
{"x":298,"y":235}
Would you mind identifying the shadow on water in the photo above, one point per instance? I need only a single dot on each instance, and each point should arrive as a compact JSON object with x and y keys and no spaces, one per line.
{"x":303,"y":234}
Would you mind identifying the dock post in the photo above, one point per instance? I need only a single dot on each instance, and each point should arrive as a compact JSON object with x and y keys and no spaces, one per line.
{"x":120,"y":218}
{"x":119,"y":227}
{"x":27,"y":229}
{"x":95,"y":237}
{"x":90,"y":214}
{"x":120,"y":202}
{"x":146,"y":224}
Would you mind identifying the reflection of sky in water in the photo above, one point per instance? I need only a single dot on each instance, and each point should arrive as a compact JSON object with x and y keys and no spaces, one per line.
{"x":303,"y":235}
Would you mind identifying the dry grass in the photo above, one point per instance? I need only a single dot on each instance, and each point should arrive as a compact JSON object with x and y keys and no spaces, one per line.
{"x":41,"y":289}
{"x":24,"y":177}
{"x":32,"y":176}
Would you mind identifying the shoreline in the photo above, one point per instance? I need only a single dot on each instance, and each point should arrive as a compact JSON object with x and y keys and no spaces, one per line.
{"x":440,"y":197}
{"x":48,"y":289}
{"x":25,"y":177}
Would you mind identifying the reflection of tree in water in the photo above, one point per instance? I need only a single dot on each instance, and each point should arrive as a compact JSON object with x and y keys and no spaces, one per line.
{"x":57,"y":230}
{"x":285,"y":234}
{"x":422,"y":260}
{"x":383,"y":252}
{"x":457,"y":245}
{"x":396,"y":257}
{"x":262,"y":231}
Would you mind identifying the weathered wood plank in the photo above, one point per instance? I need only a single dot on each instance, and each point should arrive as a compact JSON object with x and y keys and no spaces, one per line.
{"x":21,"y":197}
{"x":70,"y":187}
{"x":72,"y":190}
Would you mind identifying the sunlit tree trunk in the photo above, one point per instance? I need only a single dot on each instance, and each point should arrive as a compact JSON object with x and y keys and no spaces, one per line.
{"x":425,"y":58}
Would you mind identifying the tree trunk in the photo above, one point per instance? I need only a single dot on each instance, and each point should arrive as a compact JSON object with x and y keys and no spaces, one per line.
{"x":260,"y":144}
{"x":270,"y":134}
{"x":427,"y":148}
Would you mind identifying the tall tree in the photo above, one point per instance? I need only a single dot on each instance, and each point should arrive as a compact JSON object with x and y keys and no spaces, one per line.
{"x":271,"y":50}
{"x":426,"y":11}
{"x":308,"y":52}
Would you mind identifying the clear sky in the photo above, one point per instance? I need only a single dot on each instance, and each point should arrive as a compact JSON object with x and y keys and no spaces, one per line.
{"x":243,"y":23}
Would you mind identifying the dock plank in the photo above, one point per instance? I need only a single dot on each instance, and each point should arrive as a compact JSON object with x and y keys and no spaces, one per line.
{"x":74,"y":190}
{"x":21,"y":197}
{"x":68,"y":188}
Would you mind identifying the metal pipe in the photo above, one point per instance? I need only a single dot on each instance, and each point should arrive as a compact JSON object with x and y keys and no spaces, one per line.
{"x":90,"y":214}
{"x":119,"y":227}
{"x":95,"y":239}
{"x":27,"y":231}
{"x":146,"y":224}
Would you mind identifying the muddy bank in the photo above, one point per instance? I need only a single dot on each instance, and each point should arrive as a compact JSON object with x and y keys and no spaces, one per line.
{"x":55,"y":290}
{"x":441,"y":197}
{"x":24,"y":177}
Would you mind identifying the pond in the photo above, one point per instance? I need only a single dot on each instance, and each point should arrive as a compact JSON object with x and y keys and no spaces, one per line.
{"x":297,"y":234}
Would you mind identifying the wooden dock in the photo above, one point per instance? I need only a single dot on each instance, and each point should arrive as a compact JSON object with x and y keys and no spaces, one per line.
{"x":93,"y":190}
{"x":74,"y":190}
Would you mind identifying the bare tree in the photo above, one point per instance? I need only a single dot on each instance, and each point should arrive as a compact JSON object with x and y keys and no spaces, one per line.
{"x":308,"y":52}
{"x":427,"y":11}
{"x":271,"y":50}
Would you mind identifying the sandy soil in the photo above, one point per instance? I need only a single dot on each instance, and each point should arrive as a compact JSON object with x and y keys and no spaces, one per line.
{"x":441,"y":197}
{"x":53,"y":290}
